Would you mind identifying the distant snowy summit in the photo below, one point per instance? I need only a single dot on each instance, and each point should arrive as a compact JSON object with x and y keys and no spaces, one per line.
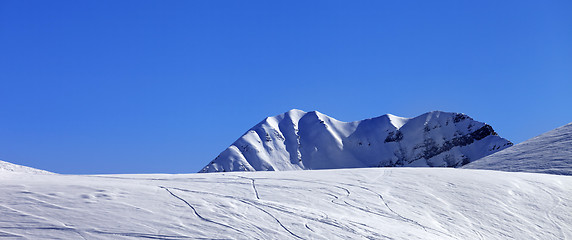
{"x":550,"y":152}
{"x":6,"y":167}
{"x":298,"y":140}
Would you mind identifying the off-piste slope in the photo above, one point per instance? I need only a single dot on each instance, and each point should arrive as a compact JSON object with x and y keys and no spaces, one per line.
{"x":366,"y":203}
{"x":298,"y":140}
{"x":550,"y":152}
{"x":14,"y":168}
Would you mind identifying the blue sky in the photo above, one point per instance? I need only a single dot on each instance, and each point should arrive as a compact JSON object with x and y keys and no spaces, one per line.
{"x":164,"y":86}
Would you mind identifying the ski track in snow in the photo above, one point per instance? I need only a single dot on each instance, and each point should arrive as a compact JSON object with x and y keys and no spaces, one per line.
{"x":253,"y":186}
{"x":381,"y":203}
{"x":196,"y":213}
{"x":248,"y":203}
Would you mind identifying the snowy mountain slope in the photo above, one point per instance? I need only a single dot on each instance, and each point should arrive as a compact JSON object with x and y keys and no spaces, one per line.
{"x":298,"y":140}
{"x":550,"y":152}
{"x":367,"y":203}
{"x":13,"y":168}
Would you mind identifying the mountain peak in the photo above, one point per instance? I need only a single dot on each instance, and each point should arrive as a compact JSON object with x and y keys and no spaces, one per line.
{"x":295,"y":111}
{"x":396,"y":121}
{"x":298,"y":140}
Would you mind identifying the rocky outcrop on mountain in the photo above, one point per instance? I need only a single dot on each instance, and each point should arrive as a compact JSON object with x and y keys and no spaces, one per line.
{"x":298,"y":140}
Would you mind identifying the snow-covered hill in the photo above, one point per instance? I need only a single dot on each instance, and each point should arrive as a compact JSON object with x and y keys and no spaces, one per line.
{"x":13,"y":168}
{"x":366,"y":203}
{"x":298,"y":140}
{"x":550,"y":152}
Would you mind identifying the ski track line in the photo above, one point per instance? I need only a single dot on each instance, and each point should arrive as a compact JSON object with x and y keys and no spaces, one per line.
{"x":196,"y":213}
{"x":479,"y":235}
{"x":396,"y":213}
{"x":385,"y":173}
{"x":11,"y":235}
{"x":308,"y":227}
{"x":395,"y":216}
{"x":377,"y":235}
{"x":246,"y":202}
{"x":271,"y":215}
{"x":327,"y":221}
{"x":348,"y":192}
{"x":253,"y":186}
{"x":357,"y":207}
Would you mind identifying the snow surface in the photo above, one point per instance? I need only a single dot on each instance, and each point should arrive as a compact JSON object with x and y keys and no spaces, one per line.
{"x":13,"y":168}
{"x":396,"y":121}
{"x":366,"y":203}
{"x":550,"y":152}
{"x":298,"y":140}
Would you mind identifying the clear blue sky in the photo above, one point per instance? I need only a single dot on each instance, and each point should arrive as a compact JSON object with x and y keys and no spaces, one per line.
{"x":164,"y":86}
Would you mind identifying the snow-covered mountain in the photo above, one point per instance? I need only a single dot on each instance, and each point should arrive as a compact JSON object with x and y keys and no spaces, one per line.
{"x":550,"y":152}
{"x":298,"y":140}
{"x":366,"y":203}
{"x":14,"y":168}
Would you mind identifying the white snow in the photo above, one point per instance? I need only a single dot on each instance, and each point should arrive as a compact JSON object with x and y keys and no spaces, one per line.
{"x":396,"y":121}
{"x":550,"y":152}
{"x":297,"y":140}
{"x":374,"y":203}
{"x":13,"y":168}
{"x":364,"y":203}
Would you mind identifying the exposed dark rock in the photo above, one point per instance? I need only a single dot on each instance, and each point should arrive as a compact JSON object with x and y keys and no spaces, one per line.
{"x":435,"y":139}
{"x":394,"y":136}
{"x":481,"y":133}
{"x":426,"y":129}
{"x":431,"y":149}
{"x":459,"y":117}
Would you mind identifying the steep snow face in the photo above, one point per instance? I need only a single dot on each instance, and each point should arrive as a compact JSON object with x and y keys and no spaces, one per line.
{"x":298,"y":140}
{"x":396,"y":121}
{"x":6,"y":167}
{"x":367,"y":203}
{"x":550,"y":152}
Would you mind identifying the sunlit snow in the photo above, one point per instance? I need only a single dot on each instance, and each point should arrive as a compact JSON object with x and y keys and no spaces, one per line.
{"x":550,"y":152}
{"x":298,"y":140}
{"x":376,"y":203}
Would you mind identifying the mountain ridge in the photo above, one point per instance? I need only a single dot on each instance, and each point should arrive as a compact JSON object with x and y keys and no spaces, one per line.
{"x":15,"y":168}
{"x":550,"y":152}
{"x":298,"y":140}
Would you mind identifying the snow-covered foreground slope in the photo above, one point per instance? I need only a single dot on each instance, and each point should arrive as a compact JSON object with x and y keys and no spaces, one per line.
{"x":550,"y":152}
{"x":376,"y":203}
{"x":13,"y":168}
{"x":298,"y":140}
